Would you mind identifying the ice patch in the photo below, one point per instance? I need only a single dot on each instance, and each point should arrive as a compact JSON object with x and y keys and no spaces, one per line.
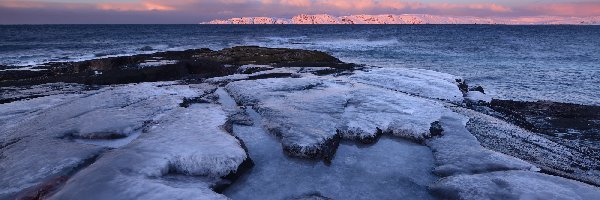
{"x":190,"y":142}
{"x":459,"y":152}
{"x":513,"y":185}
{"x":38,"y":143}
{"x":419,"y":82}
{"x":501,"y":136}
{"x":308,"y":113}
{"x":478,"y":97}
{"x":156,"y":63}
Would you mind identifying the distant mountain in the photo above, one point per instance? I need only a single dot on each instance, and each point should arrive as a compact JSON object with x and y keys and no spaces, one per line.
{"x":408,"y":19}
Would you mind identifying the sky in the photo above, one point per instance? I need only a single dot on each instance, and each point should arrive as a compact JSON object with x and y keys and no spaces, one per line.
{"x":194,"y":11}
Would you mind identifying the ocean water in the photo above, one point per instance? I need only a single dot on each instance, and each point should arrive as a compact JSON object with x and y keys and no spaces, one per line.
{"x":556,"y":63}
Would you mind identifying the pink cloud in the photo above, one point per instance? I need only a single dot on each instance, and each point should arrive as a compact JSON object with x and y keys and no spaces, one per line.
{"x":134,"y":6}
{"x":567,"y":9}
{"x":287,"y":8}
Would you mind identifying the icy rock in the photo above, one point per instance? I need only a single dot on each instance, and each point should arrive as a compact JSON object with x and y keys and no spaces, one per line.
{"x":190,"y":142}
{"x":459,"y":152}
{"x":513,"y":185}
{"x":249,"y":69}
{"x":501,"y":136}
{"x":10,"y":94}
{"x":270,"y":73}
{"x":419,"y":82}
{"x":476,"y":97}
{"x":312,"y":114}
{"x":37,"y":145}
{"x":29,"y":162}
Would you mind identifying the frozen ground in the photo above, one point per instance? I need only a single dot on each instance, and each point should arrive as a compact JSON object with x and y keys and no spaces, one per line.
{"x":375,"y":134}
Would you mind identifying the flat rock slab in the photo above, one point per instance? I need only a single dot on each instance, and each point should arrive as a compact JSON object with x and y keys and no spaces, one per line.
{"x":513,"y":185}
{"x":311,"y":114}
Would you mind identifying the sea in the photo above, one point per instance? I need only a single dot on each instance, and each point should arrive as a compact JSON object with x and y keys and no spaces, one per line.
{"x":552,"y":63}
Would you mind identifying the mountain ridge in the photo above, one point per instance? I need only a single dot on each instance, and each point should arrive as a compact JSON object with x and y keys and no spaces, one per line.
{"x":410,"y":19}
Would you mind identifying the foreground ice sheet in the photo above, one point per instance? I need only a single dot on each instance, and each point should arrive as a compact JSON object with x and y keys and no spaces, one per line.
{"x":190,"y":142}
{"x":169,"y":140}
{"x":40,"y":142}
{"x":311,"y":113}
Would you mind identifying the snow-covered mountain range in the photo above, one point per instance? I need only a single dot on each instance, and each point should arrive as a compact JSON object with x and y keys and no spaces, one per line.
{"x":408,"y":19}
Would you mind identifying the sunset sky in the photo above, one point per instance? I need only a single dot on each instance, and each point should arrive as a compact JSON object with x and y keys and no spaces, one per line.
{"x":194,"y":11}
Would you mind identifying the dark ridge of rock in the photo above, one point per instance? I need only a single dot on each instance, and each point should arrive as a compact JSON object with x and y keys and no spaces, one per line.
{"x":325,"y":151}
{"x":568,"y":121}
{"x":241,"y":117}
{"x":205,"y":98}
{"x":312,"y":196}
{"x":462,"y":86}
{"x":189,"y":64}
{"x":243,"y":55}
{"x":98,"y":136}
{"x":186,"y":102}
{"x":436,"y":129}
{"x":552,"y":155}
{"x":253,"y":69}
{"x":146,"y":48}
{"x":363,"y":140}
{"x":477,"y":88}
{"x":54,"y":184}
{"x":9,"y":142}
{"x":44,"y":190}
{"x":246,"y":165}
{"x":271,"y":75}
{"x":9,"y":100}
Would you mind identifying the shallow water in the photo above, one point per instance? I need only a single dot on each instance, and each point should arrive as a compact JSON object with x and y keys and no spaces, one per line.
{"x":390,"y":169}
{"x":558,"y":63}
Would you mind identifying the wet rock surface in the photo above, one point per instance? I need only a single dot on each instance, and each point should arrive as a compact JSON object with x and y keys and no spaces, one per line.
{"x":255,"y":123}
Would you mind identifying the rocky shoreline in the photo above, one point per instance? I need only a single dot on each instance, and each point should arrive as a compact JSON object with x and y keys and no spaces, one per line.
{"x":99,"y":116}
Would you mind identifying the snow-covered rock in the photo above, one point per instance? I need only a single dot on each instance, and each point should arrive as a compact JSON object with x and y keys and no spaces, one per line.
{"x":418,"y":82}
{"x":459,"y":152}
{"x":310,"y":113}
{"x":501,"y":136}
{"x":42,"y":140}
{"x":185,"y":141}
{"x":513,"y":185}
{"x":190,"y":142}
{"x":478,"y":97}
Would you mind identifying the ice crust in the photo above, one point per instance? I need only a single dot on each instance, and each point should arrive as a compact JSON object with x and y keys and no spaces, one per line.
{"x":307,"y":112}
{"x":419,"y":82}
{"x":478,"y":97}
{"x":507,"y":138}
{"x":459,"y":152}
{"x":190,"y":142}
{"x":513,"y":185}
{"x":43,"y":129}
{"x":138,"y":141}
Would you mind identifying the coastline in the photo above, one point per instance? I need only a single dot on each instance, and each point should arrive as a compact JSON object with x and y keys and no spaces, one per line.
{"x":256,"y":78}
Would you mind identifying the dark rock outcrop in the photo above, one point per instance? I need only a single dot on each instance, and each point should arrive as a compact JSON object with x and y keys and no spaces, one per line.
{"x":570,"y":121}
{"x":166,"y":66}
